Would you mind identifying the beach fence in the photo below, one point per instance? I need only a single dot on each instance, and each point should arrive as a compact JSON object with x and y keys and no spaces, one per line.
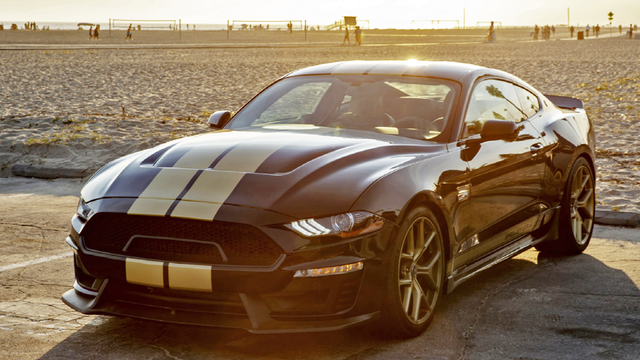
{"x":118,"y":24}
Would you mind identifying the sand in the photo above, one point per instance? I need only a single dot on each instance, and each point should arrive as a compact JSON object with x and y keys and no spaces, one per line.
{"x":72,"y":103}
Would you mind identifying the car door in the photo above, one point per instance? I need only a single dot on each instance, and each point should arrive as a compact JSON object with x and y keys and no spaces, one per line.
{"x":505,"y":175}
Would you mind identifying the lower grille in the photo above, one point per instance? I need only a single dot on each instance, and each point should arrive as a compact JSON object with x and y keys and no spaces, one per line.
{"x":221,"y":303}
{"x":180,"y":240}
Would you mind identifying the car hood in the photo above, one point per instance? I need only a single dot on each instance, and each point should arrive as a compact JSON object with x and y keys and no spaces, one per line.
{"x":294,"y":173}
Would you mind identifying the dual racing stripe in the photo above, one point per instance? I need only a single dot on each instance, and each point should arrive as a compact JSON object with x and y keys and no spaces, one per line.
{"x":168,"y":275}
{"x":183,"y":191}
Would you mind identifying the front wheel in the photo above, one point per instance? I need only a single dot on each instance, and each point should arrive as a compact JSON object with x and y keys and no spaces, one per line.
{"x":415,"y":275}
{"x":577,"y":212}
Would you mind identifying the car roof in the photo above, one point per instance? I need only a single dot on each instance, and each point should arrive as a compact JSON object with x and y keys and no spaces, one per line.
{"x":439,"y":69}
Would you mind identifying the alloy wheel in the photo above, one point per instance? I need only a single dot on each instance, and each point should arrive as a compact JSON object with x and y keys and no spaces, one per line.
{"x":582,"y":205}
{"x":420,"y":270}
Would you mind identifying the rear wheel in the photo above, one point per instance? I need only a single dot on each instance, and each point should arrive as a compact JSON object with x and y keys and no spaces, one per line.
{"x":577,"y":212}
{"x":415,"y":276}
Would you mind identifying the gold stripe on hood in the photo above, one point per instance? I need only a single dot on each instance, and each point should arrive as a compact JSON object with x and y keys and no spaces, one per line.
{"x":210,"y":190}
{"x":199,"y":157}
{"x":213,"y":187}
{"x":167,"y":184}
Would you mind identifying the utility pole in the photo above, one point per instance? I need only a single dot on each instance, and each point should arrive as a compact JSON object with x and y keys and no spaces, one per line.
{"x":610,"y":14}
{"x":464,"y":16}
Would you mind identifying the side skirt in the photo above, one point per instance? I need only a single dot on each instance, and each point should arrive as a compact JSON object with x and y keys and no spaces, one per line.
{"x":510,"y":250}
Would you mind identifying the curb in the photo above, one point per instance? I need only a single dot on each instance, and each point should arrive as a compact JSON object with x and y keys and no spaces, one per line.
{"x":617,"y":218}
{"x":30,"y":171}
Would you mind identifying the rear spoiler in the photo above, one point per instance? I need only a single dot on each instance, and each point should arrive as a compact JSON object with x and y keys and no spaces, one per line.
{"x":566,"y":102}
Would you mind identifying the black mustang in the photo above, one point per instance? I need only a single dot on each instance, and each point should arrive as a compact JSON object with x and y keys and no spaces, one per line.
{"x":342,"y":193}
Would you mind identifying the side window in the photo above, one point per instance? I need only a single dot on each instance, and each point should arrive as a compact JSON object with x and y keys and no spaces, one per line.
{"x":306,"y":97}
{"x":492,"y":100}
{"x":530,"y":102}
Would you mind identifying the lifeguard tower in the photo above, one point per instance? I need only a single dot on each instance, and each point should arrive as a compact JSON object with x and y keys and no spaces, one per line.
{"x":347,"y":21}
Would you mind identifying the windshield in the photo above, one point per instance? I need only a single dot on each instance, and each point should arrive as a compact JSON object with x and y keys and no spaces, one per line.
{"x":404,"y":106}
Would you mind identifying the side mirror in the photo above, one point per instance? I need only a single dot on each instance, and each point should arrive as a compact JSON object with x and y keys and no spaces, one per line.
{"x":219,"y":119}
{"x":498,"y":130}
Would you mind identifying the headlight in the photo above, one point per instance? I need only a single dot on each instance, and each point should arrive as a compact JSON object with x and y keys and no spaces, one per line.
{"x":84,"y":212}
{"x":343,"y":225}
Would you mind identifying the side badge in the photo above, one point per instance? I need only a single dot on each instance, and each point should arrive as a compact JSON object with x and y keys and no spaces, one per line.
{"x":463,"y":192}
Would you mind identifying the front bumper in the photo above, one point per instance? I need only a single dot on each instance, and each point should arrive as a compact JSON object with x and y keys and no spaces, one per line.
{"x":259,"y":299}
{"x":255,"y":318}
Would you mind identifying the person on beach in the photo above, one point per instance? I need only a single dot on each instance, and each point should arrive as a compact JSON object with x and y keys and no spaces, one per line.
{"x":631,"y":31}
{"x":536,"y":31}
{"x":553,"y":30}
{"x":358,"y":33}
{"x":597,"y":29}
{"x":571,"y":30}
{"x":128,"y":37}
{"x":96,"y":32}
{"x":346,"y":36}
{"x":586,"y":31}
{"x":491,"y":34}
{"x":290,"y":27}
{"x":620,"y":28}
{"x":91,"y":33}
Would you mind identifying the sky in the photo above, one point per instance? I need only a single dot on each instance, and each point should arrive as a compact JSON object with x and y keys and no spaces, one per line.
{"x":380,"y":13}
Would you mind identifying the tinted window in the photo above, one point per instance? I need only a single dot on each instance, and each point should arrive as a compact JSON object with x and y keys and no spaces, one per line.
{"x":492,"y":100}
{"x":530,"y":102}
{"x":297,"y":102}
{"x":394,"y":105}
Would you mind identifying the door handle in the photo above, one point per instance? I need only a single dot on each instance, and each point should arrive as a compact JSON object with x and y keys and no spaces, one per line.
{"x":535,"y":148}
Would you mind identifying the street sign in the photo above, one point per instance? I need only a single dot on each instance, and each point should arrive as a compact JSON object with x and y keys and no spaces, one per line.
{"x":610,"y":15}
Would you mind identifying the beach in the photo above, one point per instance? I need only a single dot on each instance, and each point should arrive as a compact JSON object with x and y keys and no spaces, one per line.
{"x":74,"y":104}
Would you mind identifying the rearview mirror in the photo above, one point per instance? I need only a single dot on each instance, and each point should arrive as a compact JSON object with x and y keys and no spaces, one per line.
{"x":219,"y":119}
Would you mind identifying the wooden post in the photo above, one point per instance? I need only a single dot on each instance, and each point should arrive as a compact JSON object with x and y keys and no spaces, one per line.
{"x":227,"y":29}
{"x":180,"y":28}
{"x":305,"y":30}
{"x":109,"y":27}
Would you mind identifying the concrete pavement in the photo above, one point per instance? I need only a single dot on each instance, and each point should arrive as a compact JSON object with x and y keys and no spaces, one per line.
{"x":532,"y":306}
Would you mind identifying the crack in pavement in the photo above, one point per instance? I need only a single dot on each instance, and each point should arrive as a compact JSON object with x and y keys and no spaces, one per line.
{"x":34,"y":226}
{"x":36,"y":261}
{"x":166,"y":352}
{"x":35,"y":283}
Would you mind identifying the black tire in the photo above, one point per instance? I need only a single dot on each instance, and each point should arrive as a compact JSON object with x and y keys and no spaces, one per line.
{"x":577,"y":212}
{"x":415,"y":270}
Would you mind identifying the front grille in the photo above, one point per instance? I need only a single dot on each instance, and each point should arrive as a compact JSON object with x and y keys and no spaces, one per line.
{"x":180,"y":240}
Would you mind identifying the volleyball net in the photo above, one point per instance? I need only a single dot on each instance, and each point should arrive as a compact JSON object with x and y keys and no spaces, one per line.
{"x":123,"y":24}
{"x":266,"y":24}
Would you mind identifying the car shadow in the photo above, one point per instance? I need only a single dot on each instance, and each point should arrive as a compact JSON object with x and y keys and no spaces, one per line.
{"x":524,"y":306}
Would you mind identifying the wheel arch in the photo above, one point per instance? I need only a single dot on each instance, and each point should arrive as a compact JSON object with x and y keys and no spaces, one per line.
{"x":433,"y":202}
